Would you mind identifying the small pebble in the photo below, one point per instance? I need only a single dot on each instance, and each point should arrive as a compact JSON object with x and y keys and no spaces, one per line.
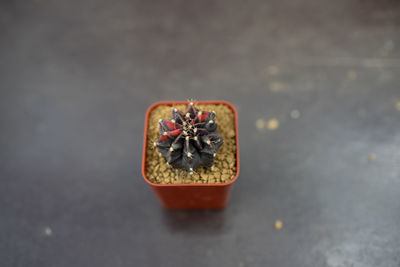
{"x":278,"y":225}
{"x":273,"y":124}
{"x":225,"y":177}
{"x":295,"y":114}
{"x":48,"y":231}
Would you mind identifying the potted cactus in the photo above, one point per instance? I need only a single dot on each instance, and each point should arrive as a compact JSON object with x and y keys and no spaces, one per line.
{"x":192,"y":159}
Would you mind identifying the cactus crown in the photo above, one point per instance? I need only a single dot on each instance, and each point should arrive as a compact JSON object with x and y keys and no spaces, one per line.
{"x":189,"y":140}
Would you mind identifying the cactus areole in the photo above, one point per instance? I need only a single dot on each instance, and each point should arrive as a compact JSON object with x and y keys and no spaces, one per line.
{"x":189,"y":140}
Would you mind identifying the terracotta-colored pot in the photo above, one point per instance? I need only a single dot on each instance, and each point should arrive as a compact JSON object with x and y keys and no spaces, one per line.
{"x":192,"y":196}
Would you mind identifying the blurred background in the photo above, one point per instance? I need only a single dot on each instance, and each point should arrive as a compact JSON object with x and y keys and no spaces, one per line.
{"x":316,"y":85}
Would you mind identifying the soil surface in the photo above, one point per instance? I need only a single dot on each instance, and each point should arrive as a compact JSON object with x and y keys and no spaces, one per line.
{"x":157,"y":170}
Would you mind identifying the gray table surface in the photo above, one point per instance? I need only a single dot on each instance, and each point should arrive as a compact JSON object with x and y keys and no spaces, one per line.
{"x":76,"y":78}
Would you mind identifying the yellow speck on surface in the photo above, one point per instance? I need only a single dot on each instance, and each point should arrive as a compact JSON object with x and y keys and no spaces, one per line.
{"x":260,"y":123}
{"x":272,"y":70}
{"x":372,"y":157}
{"x":278,"y":225}
{"x":273,"y":124}
{"x":398,"y":105}
{"x":351,"y":75}
{"x":275,"y":86}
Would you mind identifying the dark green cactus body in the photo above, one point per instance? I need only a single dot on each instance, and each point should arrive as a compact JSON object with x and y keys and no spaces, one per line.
{"x":189,"y":140}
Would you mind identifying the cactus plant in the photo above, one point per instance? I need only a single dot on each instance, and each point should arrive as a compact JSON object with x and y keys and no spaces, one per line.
{"x":189,"y":140}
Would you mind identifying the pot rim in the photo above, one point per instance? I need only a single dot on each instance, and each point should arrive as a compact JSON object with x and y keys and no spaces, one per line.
{"x":185,"y":102}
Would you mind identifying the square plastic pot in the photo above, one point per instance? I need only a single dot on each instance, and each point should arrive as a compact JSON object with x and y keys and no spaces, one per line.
{"x":192,"y":196}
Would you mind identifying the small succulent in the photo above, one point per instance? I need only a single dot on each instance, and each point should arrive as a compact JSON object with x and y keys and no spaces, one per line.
{"x":189,"y":140}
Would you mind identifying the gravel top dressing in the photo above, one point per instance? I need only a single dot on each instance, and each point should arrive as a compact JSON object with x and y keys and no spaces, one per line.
{"x":224,"y":170}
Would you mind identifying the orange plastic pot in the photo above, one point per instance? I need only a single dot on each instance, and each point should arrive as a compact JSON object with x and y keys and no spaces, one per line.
{"x":192,"y":196}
